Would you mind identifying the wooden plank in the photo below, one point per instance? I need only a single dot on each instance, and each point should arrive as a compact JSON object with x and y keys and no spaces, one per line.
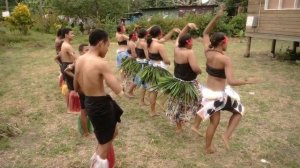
{"x":279,"y":22}
{"x":269,"y":18}
{"x":263,"y":25}
{"x":281,"y":15}
{"x":276,"y":29}
{"x":279,"y":32}
{"x":280,"y":12}
{"x":273,"y":36}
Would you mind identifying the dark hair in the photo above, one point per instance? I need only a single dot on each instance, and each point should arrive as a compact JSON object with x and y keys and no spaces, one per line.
{"x":96,"y":36}
{"x":183,"y":40}
{"x":81,"y":46}
{"x":131,"y":35}
{"x":65,"y":31}
{"x":216,"y":38}
{"x":155,"y":31}
{"x":59,"y":33}
{"x":142,"y":33}
{"x":119,"y":28}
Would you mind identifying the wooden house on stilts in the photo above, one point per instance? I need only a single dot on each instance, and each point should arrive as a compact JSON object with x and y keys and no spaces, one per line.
{"x":275,"y":20}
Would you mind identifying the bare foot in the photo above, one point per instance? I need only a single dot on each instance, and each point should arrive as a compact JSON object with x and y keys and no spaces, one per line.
{"x":154,"y":114}
{"x":210,"y":150}
{"x":129,"y":95}
{"x":195,"y":130}
{"x":85,"y":135}
{"x":226,"y":142}
{"x":143,"y":103}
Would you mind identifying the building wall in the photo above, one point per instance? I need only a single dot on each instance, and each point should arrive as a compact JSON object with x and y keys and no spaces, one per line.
{"x":274,"y":24}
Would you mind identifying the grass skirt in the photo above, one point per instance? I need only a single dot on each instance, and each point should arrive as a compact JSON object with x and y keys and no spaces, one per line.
{"x":184,"y":98}
{"x":130,"y":67}
{"x":152,"y":75}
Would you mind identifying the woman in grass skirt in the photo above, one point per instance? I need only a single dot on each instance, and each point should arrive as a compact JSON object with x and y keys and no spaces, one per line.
{"x":141,"y":51}
{"x":217,"y":95}
{"x":129,"y":65}
{"x":183,"y":89}
{"x":158,"y":63}
{"x":122,"y":52}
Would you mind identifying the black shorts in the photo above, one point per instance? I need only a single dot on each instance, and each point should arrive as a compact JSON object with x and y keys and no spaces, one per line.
{"x":68,"y":79}
{"x":82,"y":98}
{"x":104,"y":114}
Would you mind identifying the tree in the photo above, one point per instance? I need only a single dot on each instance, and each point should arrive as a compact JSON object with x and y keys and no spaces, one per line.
{"x":91,"y":8}
{"x":233,"y":5}
{"x":20,"y":18}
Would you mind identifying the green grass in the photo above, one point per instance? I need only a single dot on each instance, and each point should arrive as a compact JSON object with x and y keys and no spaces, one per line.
{"x":31,"y":100}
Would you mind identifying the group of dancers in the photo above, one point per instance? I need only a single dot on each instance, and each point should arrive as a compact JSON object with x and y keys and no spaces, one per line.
{"x":143,"y":59}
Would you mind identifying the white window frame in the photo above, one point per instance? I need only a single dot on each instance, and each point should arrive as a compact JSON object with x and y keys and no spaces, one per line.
{"x":296,"y":2}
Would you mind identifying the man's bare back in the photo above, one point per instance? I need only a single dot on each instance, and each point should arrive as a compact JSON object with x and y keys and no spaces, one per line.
{"x":91,"y":72}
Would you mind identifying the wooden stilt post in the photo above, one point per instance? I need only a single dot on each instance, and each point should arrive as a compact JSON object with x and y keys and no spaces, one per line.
{"x":273,"y":47}
{"x":248,"y":48}
{"x":294,"y":50}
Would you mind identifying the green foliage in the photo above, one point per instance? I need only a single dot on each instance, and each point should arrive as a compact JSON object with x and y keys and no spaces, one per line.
{"x":225,"y":24}
{"x":109,"y":25}
{"x":237,"y":23}
{"x":47,"y":23}
{"x":21,"y":18}
{"x":91,"y":8}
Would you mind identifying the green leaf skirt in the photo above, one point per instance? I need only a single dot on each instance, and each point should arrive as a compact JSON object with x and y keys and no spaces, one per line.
{"x":130,"y":67}
{"x":184,"y":98}
{"x":152,"y":75}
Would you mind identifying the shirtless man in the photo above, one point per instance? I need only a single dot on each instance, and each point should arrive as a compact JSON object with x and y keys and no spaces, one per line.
{"x":91,"y":71}
{"x":67,"y":57}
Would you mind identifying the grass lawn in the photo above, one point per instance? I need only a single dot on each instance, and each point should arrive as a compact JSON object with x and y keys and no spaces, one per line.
{"x":31,"y":101}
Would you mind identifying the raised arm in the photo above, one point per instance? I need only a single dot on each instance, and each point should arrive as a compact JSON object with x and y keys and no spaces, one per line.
{"x":211,"y":25}
{"x":185,"y":30}
{"x":169,"y":35}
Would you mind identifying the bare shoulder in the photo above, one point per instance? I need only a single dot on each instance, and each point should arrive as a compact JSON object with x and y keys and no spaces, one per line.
{"x":225,"y":59}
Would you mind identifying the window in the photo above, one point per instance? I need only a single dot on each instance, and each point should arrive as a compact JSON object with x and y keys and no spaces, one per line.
{"x":273,"y":4}
{"x":287,"y":4}
{"x":282,"y":4}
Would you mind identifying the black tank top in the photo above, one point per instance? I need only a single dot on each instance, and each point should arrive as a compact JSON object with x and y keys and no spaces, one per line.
{"x":155,"y":56}
{"x":219,"y":73}
{"x":140,"y":53}
{"x":124,"y":42}
{"x":184,"y":72}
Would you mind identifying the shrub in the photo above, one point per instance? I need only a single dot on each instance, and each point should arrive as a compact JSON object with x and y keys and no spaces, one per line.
{"x":237,"y":23}
{"x":20,"y":18}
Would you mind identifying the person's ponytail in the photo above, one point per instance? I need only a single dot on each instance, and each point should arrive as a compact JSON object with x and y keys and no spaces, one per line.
{"x":149,"y":40}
